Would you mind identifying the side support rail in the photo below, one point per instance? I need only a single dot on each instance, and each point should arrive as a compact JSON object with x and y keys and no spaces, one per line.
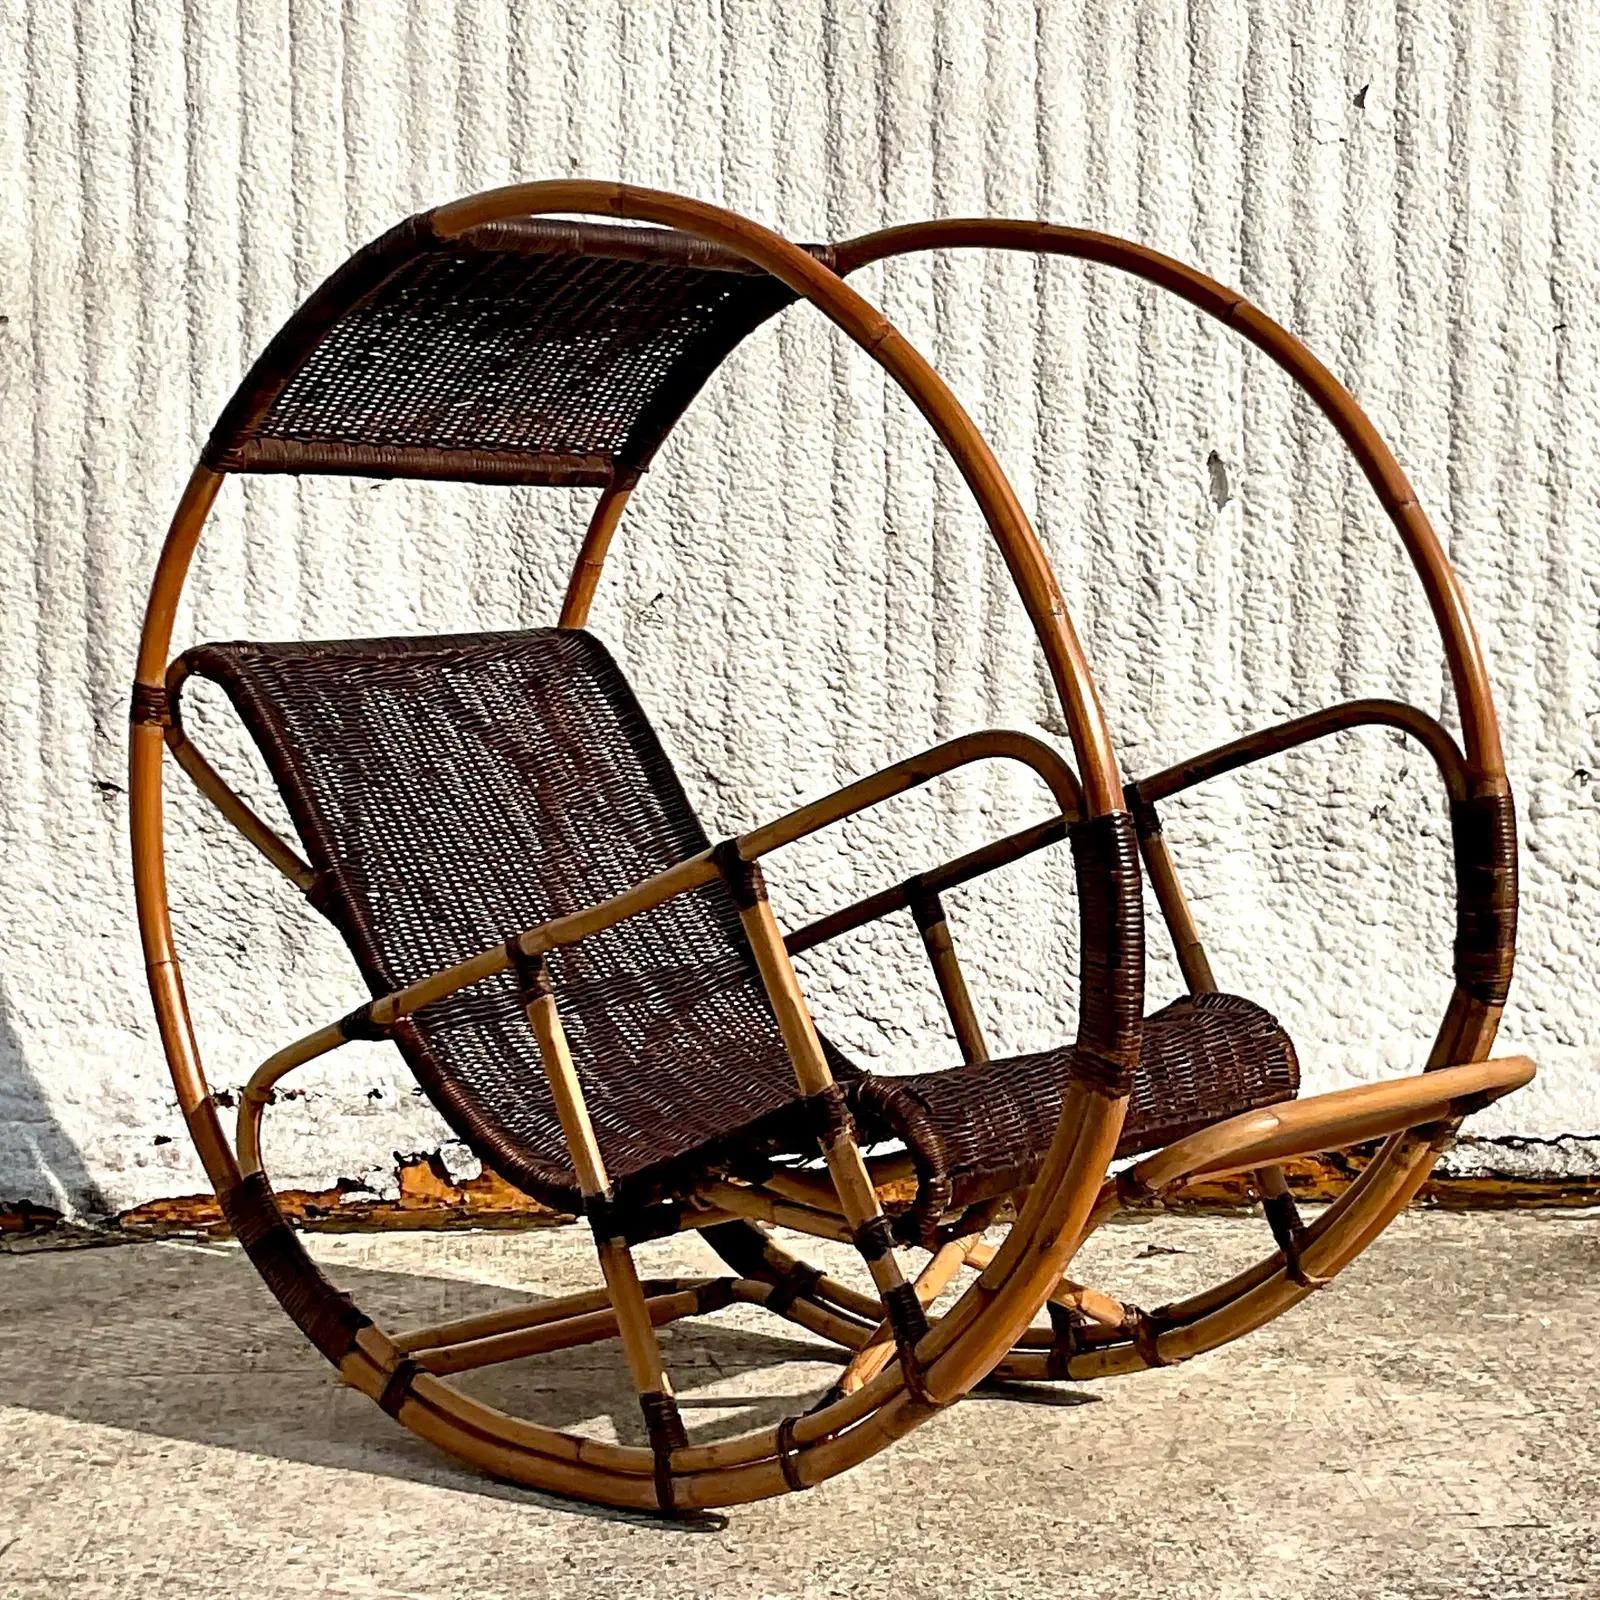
{"x":1482,"y":821}
{"x":1253,"y":747}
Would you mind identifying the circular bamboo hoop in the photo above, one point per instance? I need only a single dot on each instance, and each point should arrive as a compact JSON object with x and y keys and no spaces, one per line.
{"x":1467,"y":1031}
{"x":1468,"y":1028}
{"x":963,"y":1346}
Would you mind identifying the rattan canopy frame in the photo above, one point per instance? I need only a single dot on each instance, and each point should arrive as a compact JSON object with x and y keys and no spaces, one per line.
{"x":646,"y":314}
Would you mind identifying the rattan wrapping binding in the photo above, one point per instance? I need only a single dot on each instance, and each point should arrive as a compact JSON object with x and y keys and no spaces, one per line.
{"x":323,"y":1313}
{"x":1484,"y":831}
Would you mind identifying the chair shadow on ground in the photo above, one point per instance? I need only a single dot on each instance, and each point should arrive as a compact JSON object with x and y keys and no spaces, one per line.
{"x":176,"y":1340}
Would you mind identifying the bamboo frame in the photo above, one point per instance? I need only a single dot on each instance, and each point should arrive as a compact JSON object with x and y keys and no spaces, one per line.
{"x":592,"y":556}
{"x":937,"y":941}
{"x":564,"y":1333}
{"x":850,"y":1428}
{"x":631,"y":1315}
{"x":987,"y":1330}
{"x":962,"y":869}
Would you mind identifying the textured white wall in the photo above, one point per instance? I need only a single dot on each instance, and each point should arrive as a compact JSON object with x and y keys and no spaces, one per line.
{"x":802,"y":591}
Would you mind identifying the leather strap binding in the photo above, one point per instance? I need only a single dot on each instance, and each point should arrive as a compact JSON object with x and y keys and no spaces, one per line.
{"x":398,"y":1386}
{"x":788,"y":1455}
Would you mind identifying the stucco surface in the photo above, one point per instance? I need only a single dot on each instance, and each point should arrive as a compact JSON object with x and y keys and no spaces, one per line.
{"x":1423,"y":1430}
{"x":802,"y":592}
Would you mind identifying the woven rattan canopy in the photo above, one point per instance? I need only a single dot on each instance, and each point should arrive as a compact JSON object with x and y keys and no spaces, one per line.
{"x":525,"y":351}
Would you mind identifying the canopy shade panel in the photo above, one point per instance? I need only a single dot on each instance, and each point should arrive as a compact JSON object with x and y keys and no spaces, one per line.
{"x":532,"y":350}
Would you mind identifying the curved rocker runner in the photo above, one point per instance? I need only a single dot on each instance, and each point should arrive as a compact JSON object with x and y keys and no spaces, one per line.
{"x":597,"y":997}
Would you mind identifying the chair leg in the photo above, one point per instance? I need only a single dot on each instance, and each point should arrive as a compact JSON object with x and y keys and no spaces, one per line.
{"x":662,"y":1420}
{"x":879,"y":1349}
{"x":858,"y":1198}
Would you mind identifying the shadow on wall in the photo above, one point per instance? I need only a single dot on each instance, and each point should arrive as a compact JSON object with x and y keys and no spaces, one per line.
{"x":40,"y":1166}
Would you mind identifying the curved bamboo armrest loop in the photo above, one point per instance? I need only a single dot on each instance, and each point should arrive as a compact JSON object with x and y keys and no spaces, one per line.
{"x":902,"y":776}
{"x":1253,"y":747}
{"x":1483,"y":829}
{"x":700,"y":869}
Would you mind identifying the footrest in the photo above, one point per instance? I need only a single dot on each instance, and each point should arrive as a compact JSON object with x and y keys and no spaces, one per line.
{"x":1328,"y":1122}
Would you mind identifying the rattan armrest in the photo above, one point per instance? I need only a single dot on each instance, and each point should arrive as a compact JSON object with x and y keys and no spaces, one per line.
{"x":1482,"y":822}
{"x":948,"y":875}
{"x":1253,"y":747}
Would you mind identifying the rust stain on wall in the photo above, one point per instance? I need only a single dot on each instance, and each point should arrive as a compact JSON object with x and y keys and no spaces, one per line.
{"x":429,"y":1198}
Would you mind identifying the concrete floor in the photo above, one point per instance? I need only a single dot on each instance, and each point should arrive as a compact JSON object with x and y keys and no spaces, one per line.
{"x":1426,"y":1428}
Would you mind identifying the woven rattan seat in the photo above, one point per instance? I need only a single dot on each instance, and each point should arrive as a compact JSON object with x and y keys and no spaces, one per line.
{"x":453,"y":791}
{"x":980,"y":1129}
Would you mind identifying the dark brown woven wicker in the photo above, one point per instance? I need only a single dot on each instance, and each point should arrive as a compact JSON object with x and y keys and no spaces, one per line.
{"x":453,"y":791}
{"x":979,"y":1130}
{"x":521,"y":352}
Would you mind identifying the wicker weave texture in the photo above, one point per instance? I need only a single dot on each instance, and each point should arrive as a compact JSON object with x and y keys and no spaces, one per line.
{"x":459,"y":790}
{"x":980,"y":1130}
{"x":454,"y":791}
{"x":535,"y":352}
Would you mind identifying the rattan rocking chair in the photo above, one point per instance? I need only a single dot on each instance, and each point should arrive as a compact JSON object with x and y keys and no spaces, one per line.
{"x":597,"y":997}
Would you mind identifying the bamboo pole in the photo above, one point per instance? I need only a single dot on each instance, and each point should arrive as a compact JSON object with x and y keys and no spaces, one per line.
{"x":928,"y":910}
{"x":634,"y":1325}
{"x":1073,"y":1296}
{"x":282,"y":856}
{"x":510,"y":1318}
{"x":751,"y":1203}
{"x":1193,"y":962}
{"x":565,"y":1333}
{"x":962,"y":869}
{"x":596,"y":544}
{"x":858,"y":1199}
{"x":779,"y":1265}
{"x":879,"y":1349}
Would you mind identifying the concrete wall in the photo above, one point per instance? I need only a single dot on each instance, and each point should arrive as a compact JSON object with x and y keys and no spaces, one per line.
{"x":803,"y":592}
